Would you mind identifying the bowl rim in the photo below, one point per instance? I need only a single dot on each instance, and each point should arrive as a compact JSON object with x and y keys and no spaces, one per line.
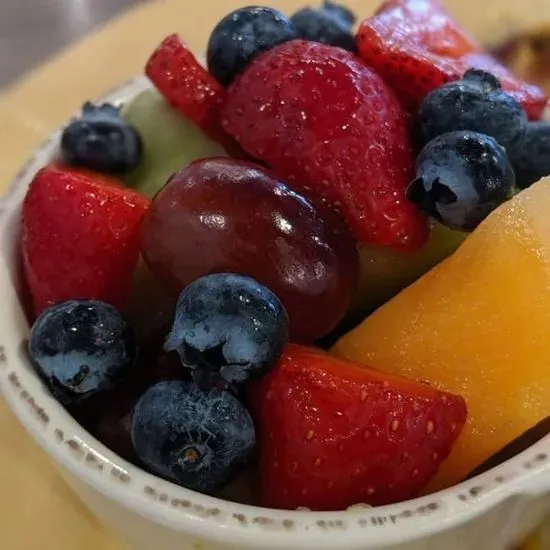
{"x":184,"y":510}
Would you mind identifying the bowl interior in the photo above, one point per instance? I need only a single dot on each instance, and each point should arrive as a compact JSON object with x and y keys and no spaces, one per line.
{"x":89,"y":460}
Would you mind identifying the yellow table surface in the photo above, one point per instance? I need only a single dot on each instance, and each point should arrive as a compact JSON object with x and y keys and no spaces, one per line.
{"x":37,"y":510}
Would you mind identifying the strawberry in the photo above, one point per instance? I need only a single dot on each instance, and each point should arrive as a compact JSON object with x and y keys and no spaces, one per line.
{"x":188,"y":87}
{"x":354,"y":152}
{"x":416,"y":46}
{"x":333,"y":433}
{"x":80,"y":237}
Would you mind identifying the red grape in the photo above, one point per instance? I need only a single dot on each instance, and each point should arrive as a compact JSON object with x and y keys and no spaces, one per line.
{"x":222,"y":215}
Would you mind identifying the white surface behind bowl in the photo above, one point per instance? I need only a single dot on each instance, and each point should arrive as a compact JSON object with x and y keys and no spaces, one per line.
{"x":491,"y":512}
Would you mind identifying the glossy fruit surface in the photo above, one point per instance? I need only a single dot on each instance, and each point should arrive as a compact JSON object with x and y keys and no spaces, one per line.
{"x":100,"y":139}
{"x":188,"y":86}
{"x":531,"y":161}
{"x":112,"y":414}
{"x":476,"y":325}
{"x":228,"y":329}
{"x":221,"y":215}
{"x":81,"y":348}
{"x":151,"y":306}
{"x":170,"y":141}
{"x":354,"y":153}
{"x":333,"y":433}
{"x":477,"y":103}
{"x":242,"y":35}
{"x":197,"y":439}
{"x":416,"y":46}
{"x":384,"y":272}
{"x":461,"y":177}
{"x":85,"y":225}
{"x":515,"y":447}
{"x":329,"y":24}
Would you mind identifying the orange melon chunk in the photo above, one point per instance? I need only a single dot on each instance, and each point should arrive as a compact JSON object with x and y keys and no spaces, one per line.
{"x":477,"y":325}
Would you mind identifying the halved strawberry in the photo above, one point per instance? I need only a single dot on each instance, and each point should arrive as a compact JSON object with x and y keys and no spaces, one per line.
{"x":354,"y":152}
{"x":416,"y":46}
{"x":188,"y":86}
{"x":80,"y":237}
{"x":334,"y":433}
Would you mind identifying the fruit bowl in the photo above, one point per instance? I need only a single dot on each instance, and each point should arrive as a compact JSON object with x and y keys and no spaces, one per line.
{"x":495,"y":510}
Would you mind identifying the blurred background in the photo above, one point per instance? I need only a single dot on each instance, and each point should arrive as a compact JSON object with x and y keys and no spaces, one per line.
{"x":33,"y":30}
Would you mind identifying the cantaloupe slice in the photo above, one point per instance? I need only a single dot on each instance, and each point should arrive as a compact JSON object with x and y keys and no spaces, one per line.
{"x":477,"y":325}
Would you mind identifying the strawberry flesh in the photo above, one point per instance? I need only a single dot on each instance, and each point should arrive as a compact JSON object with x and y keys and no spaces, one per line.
{"x":354,"y":152}
{"x":334,"y":433}
{"x":188,"y":87}
{"x":416,"y":47}
{"x":80,"y":237}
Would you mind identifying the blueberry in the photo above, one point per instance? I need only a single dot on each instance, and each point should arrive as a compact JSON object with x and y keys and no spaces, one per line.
{"x":228,"y":328}
{"x":101,"y":140}
{"x":194,"y":438}
{"x":475,"y":103}
{"x":531,"y":161}
{"x":243,"y":34}
{"x":81,"y":348}
{"x":330,"y":24}
{"x":339,"y":10}
{"x":461,"y":178}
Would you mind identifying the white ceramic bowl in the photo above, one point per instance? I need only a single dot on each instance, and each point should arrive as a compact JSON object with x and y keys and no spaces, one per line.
{"x":491,"y":512}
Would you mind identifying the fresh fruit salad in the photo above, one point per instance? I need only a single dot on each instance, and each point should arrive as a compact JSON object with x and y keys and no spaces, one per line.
{"x":320,"y":263}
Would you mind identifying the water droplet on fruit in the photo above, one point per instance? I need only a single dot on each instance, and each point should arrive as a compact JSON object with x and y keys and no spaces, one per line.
{"x":196,"y":226}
